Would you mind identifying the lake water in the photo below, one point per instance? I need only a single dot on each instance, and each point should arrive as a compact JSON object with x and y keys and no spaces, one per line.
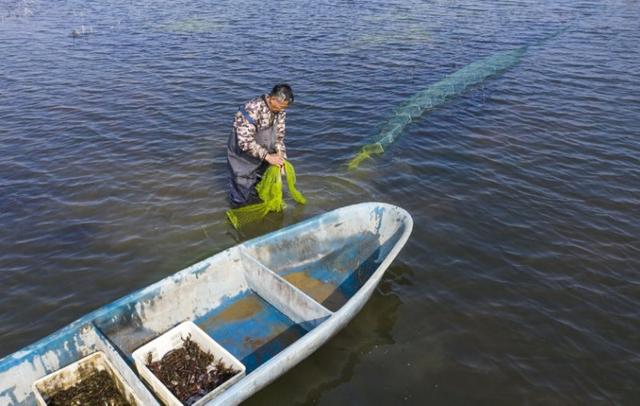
{"x":520,"y":283}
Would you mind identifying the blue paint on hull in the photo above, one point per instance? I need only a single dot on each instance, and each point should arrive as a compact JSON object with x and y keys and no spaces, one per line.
{"x":250,"y":328}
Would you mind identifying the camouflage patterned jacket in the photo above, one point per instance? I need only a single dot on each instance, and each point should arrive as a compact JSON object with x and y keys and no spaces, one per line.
{"x":245,"y":131}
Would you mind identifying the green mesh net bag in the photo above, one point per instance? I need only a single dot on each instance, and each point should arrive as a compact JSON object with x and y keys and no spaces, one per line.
{"x":270,"y":192}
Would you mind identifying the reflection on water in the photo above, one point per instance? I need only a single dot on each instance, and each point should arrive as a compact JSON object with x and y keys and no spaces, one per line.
{"x":394,"y":27}
{"x":409,"y":35}
{"x":17,"y":9}
{"x":194,"y":25}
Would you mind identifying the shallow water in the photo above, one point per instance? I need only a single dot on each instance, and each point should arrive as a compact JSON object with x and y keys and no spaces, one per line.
{"x":519,"y":283}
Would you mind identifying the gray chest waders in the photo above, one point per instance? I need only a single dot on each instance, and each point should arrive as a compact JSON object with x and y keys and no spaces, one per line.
{"x":246,"y":170}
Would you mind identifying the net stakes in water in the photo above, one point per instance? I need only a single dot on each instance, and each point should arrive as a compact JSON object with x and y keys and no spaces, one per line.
{"x":270,"y":192}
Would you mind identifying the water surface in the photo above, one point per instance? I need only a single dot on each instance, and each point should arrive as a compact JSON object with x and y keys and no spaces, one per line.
{"x":519,"y":284}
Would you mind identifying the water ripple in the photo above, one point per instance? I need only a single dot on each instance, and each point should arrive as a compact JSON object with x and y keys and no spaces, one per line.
{"x":518,"y":284}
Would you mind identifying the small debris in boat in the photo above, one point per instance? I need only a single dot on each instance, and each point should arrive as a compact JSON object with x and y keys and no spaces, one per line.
{"x":190,"y":373}
{"x":97,"y":389}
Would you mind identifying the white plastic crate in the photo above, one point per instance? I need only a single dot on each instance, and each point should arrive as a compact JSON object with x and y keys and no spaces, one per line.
{"x":173,"y":339}
{"x":72,"y":374}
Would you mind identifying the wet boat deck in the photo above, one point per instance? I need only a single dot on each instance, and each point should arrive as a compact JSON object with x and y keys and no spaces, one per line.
{"x":250,"y":328}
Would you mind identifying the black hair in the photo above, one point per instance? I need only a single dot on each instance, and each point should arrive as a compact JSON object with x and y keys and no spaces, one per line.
{"x":282,"y":91}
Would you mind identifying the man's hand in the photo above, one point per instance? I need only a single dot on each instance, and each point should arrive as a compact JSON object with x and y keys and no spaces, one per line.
{"x":274,"y":159}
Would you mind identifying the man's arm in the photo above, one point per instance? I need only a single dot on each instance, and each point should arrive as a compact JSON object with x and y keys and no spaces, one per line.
{"x":246,"y":133}
{"x":280,"y":131}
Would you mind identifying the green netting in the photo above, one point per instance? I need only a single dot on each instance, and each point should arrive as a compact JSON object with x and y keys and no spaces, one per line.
{"x":270,"y":192}
{"x":434,"y":96}
{"x":365,"y":153}
{"x":439,"y":93}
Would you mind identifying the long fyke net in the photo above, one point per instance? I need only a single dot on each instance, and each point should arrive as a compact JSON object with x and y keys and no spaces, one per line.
{"x":270,"y":192}
{"x":434,"y":96}
{"x":441,"y":92}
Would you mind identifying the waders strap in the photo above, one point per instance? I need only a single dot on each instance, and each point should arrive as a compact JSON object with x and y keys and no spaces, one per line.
{"x":246,"y":115}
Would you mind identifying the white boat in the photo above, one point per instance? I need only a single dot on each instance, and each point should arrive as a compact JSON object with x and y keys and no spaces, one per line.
{"x":270,"y":302}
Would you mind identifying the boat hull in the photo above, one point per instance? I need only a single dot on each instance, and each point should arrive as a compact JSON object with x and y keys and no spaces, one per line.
{"x":271,"y":302}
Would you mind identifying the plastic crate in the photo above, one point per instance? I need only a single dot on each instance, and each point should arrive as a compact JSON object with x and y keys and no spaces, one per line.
{"x":72,"y":374}
{"x":173,"y":339}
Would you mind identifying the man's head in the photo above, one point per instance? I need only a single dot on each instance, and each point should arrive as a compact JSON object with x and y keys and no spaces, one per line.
{"x":280,"y":98}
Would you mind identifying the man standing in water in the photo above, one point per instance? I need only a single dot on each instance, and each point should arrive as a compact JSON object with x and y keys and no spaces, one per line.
{"x":257,"y":141}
